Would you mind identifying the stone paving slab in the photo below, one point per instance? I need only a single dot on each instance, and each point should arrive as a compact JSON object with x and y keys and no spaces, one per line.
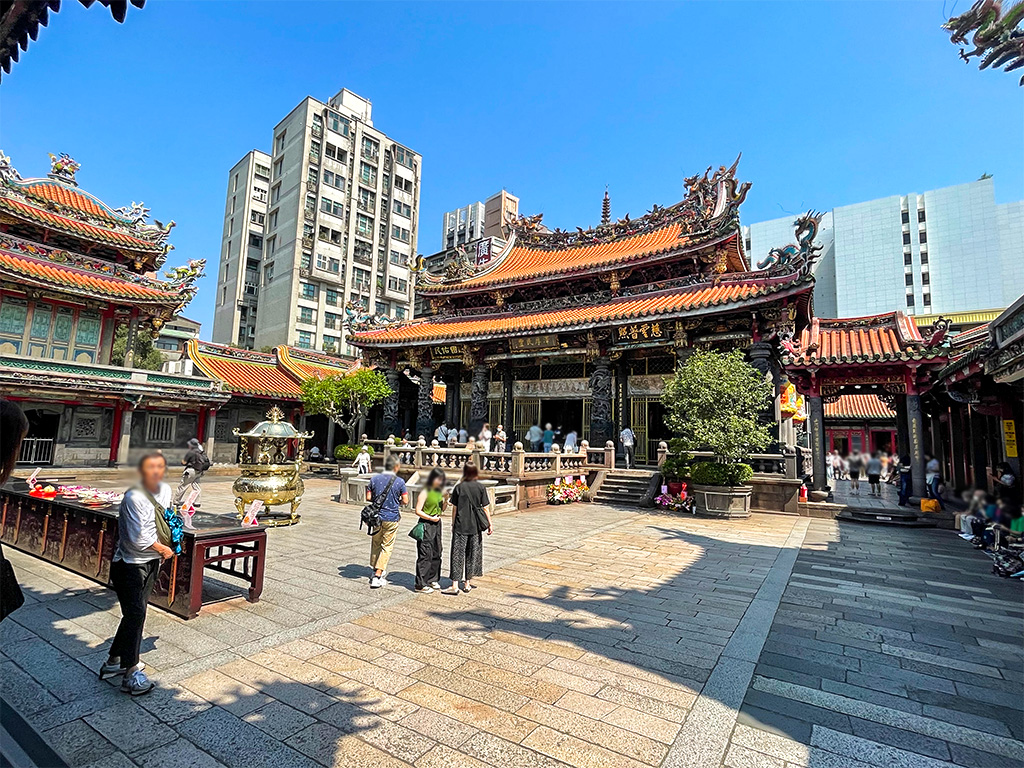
{"x":598,"y":637}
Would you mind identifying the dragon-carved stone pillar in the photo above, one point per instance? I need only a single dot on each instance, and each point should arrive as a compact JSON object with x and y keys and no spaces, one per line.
{"x":478,"y":401}
{"x":601,"y":425}
{"x":392,"y":426}
{"x":762,"y":356}
{"x":425,"y":404}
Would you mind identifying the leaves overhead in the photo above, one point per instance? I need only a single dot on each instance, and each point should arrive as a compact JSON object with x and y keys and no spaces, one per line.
{"x":714,"y":401}
{"x":345,"y":398}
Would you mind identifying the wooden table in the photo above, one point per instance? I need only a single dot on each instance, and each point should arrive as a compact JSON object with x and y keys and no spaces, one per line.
{"x":82,"y":539}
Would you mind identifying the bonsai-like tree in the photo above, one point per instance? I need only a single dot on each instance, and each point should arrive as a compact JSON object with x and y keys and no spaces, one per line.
{"x":345,"y":398}
{"x":713,"y":402}
{"x":145,"y":355}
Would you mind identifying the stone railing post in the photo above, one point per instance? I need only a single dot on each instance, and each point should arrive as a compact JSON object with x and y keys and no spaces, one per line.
{"x":662,"y":452}
{"x":791,"y":465}
{"x":518,"y":463}
{"x":477,"y":456}
{"x":556,"y":459}
{"x":609,"y":455}
{"x":584,"y":449}
{"x":421,"y":445}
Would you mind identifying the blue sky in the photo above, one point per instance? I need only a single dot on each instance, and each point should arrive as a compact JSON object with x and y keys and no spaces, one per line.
{"x":831,"y":103}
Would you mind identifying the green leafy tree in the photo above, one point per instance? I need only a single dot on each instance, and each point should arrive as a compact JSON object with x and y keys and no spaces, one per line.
{"x":714,"y":402}
{"x":345,"y":398}
{"x":146,"y":357}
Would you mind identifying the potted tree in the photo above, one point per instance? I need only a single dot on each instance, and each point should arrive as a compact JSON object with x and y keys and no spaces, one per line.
{"x":345,"y":399}
{"x":713,"y":402}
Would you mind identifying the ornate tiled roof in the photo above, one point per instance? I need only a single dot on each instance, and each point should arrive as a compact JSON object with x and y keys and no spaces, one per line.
{"x":56,"y":203}
{"x":263,"y":374}
{"x":438,"y":395}
{"x":243,"y":371}
{"x":664,"y":304}
{"x":881,"y":338}
{"x":858,"y":407}
{"x":24,"y":263}
{"x":705,"y":220}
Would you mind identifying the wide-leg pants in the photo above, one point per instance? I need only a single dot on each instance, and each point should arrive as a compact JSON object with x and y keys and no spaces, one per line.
{"x":467,"y":558}
{"x":428,"y":555}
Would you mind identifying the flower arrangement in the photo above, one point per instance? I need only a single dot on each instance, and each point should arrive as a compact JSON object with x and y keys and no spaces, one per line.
{"x":675,"y":502}
{"x":567,"y":490}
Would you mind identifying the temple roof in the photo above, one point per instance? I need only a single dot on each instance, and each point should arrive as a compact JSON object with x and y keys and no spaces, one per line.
{"x":706,"y":219}
{"x":24,"y":263}
{"x":56,"y":203}
{"x":858,"y":407}
{"x":277,"y":374}
{"x":881,"y":338}
{"x":656,"y":304}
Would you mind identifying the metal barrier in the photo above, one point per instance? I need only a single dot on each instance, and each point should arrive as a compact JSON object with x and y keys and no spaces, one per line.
{"x":36,"y":451}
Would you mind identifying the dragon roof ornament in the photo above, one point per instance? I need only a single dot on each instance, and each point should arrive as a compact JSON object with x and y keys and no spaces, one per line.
{"x":358,"y":319}
{"x":712,"y":202}
{"x":998,"y":38}
{"x":799,"y":256}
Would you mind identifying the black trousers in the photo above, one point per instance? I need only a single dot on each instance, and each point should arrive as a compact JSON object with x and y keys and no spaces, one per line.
{"x":132,"y":583}
{"x":428,"y":555}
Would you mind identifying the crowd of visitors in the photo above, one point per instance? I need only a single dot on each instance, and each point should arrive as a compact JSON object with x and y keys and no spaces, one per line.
{"x":994,"y":524}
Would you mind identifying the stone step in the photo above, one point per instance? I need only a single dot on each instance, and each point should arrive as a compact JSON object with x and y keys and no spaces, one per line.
{"x":886,"y":517}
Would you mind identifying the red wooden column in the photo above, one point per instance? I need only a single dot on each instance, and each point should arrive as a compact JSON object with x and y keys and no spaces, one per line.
{"x":115,"y":434}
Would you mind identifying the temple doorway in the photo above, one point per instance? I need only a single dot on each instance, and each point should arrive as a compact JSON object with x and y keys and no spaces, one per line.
{"x":37,"y":447}
{"x":564,"y":416}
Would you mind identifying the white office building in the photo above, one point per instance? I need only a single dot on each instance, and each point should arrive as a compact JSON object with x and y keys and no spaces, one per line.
{"x":948,"y":251}
{"x":339,"y":229}
{"x":479,"y":220}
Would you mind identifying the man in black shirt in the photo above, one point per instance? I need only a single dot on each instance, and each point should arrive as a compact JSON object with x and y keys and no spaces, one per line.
{"x":196,"y":463}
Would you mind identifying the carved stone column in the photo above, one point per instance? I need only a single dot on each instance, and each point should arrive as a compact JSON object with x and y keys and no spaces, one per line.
{"x":209,"y":432}
{"x":452,"y":383}
{"x":478,"y":401}
{"x":133,"y":333}
{"x":915,"y":432}
{"x":425,"y":404}
{"x":392,"y":426}
{"x":816,"y":424}
{"x":125,"y":436}
{"x":601,"y":425}
{"x":761,"y":355}
{"x":508,"y":404}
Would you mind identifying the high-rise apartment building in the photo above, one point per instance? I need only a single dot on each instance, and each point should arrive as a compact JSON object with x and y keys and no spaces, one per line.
{"x":478,"y":220}
{"x":949,"y":251}
{"x":241,"y":252}
{"x":340,"y":228}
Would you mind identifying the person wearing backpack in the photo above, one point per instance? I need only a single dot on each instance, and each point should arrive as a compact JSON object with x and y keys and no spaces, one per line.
{"x":196,"y":463}
{"x":134,"y":570}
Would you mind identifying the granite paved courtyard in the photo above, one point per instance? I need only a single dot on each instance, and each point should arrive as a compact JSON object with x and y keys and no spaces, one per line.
{"x":599,"y":637}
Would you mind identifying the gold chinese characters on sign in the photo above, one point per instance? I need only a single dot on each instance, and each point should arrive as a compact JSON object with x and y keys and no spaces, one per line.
{"x":638,"y":332}
{"x":446,"y":352}
{"x":533,"y":343}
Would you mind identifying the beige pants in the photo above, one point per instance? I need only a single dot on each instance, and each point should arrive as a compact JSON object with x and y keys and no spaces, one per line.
{"x":381,"y":544}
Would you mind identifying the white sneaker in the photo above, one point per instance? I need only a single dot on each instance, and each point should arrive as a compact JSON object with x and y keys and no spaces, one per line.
{"x":111,"y":670}
{"x":136,"y":683}
{"x":425,"y":590}
{"x":377,"y":582}
{"x":435,"y":585}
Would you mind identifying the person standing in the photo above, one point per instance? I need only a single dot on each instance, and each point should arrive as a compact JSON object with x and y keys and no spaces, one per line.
{"x":429,"y":506}
{"x":363,"y":461}
{"x":13,"y":428}
{"x":874,"y":471}
{"x":453,"y":437}
{"x":571,"y":443}
{"x":534,"y":436}
{"x":500,"y":439}
{"x":484,"y":438}
{"x":549,"y":437}
{"x":388,"y":493}
{"x":134,"y":570}
{"x":904,"y":480}
{"x":933,"y":478}
{"x":855,"y":466}
{"x":441,"y":434}
{"x":463,"y":435}
{"x":196,"y":463}
{"x":628,"y":440}
{"x":471,"y":516}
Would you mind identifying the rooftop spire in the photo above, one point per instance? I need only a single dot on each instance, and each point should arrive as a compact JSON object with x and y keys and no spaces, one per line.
{"x":606,"y":207}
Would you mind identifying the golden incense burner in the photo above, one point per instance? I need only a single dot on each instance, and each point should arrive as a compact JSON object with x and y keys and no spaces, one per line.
{"x":270,"y":456}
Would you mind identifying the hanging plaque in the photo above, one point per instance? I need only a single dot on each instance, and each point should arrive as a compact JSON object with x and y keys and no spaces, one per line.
{"x":635,"y":333}
{"x":533,"y":343}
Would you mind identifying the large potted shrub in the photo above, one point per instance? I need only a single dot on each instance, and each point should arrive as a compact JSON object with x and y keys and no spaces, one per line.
{"x":713,"y":403}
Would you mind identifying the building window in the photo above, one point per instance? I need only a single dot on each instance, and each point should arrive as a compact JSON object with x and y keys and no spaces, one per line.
{"x":367,"y":200}
{"x":160,"y":428}
{"x":364,"y":225}
{"x":360,"y":278}
{"x":333,"y":265}
{"x":381,"y":308}
{"x":314,"y":150}
{"x":338,"y":124}
{"x":278,"y":168}
{"x":927,"y":297}
{"x":271,"y":244}
{"x":362,"y":251}
{"x":910,"y":279}
{"x":400,"y":233}
{"x":268,"y":273}
{"x":305,"y":340}
{"x":307,"y":290}
{"x":331,"y":320}
{"x":399,"y":258}
{"x":332,"y":297}
{"x":335,"y":180}
{"x":400,"y":313}
{"x":398,"y":284}
{"x":920,"y":215}
{"x":403,"y":209}
{"x":275,"y":193}
{"x":922,"y":237}
{"x":279,"y":142}
{"x":925,"y":278}
{"x":262,"y":172}
{"x":273,"y":219}
{"x":908,"y":259}
{"x":257,"y":218}
{"x":259,"y":194}
{"x":924,"y":257}
{"x":329,"y":235}
{"x":331,"y":343}
{"x":255,"y":241}
{"x":86,"y":428}
{"x":321,"y":261}
{"x":404,"y":185}
{"x":307,"y":315}
{"x":404,"y":156}
{"x":905,"y":217}
{"x":368,"y":174}
{"x":910,"y":299}
{"x":906,"y":238}
{"x":305,"y":261}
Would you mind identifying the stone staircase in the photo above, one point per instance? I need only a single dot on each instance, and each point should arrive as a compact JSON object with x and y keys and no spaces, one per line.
{"x":903,"y":516}
{"x":624,"y":487}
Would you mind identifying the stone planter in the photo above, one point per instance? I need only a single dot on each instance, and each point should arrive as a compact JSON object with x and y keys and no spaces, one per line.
{"x":721,"y":501}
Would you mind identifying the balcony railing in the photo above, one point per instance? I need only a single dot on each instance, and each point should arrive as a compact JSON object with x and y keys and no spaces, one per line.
{"x":307,"y":241}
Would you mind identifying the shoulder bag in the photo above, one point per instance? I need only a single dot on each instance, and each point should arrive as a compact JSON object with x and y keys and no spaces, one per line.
{"x":169,"y":528}
{"x":370,"y":514}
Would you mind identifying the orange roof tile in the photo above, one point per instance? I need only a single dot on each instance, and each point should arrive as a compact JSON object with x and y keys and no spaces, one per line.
{"x":244,"y":372}
{"x":858,"y":407}
{"x":438,"y":395}
{"x":40,"y":272}
{"x":80,"y":228}
{"x":70,"y":197}
{"x":652,"y":305}
{"x":526,"y":263}
{"x":875,"y":339}
{"x":307,"y":363}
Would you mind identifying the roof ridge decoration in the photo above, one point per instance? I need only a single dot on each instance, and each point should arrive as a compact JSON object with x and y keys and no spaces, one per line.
{"x":60,"y":194}
{"x":358,"y":319}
